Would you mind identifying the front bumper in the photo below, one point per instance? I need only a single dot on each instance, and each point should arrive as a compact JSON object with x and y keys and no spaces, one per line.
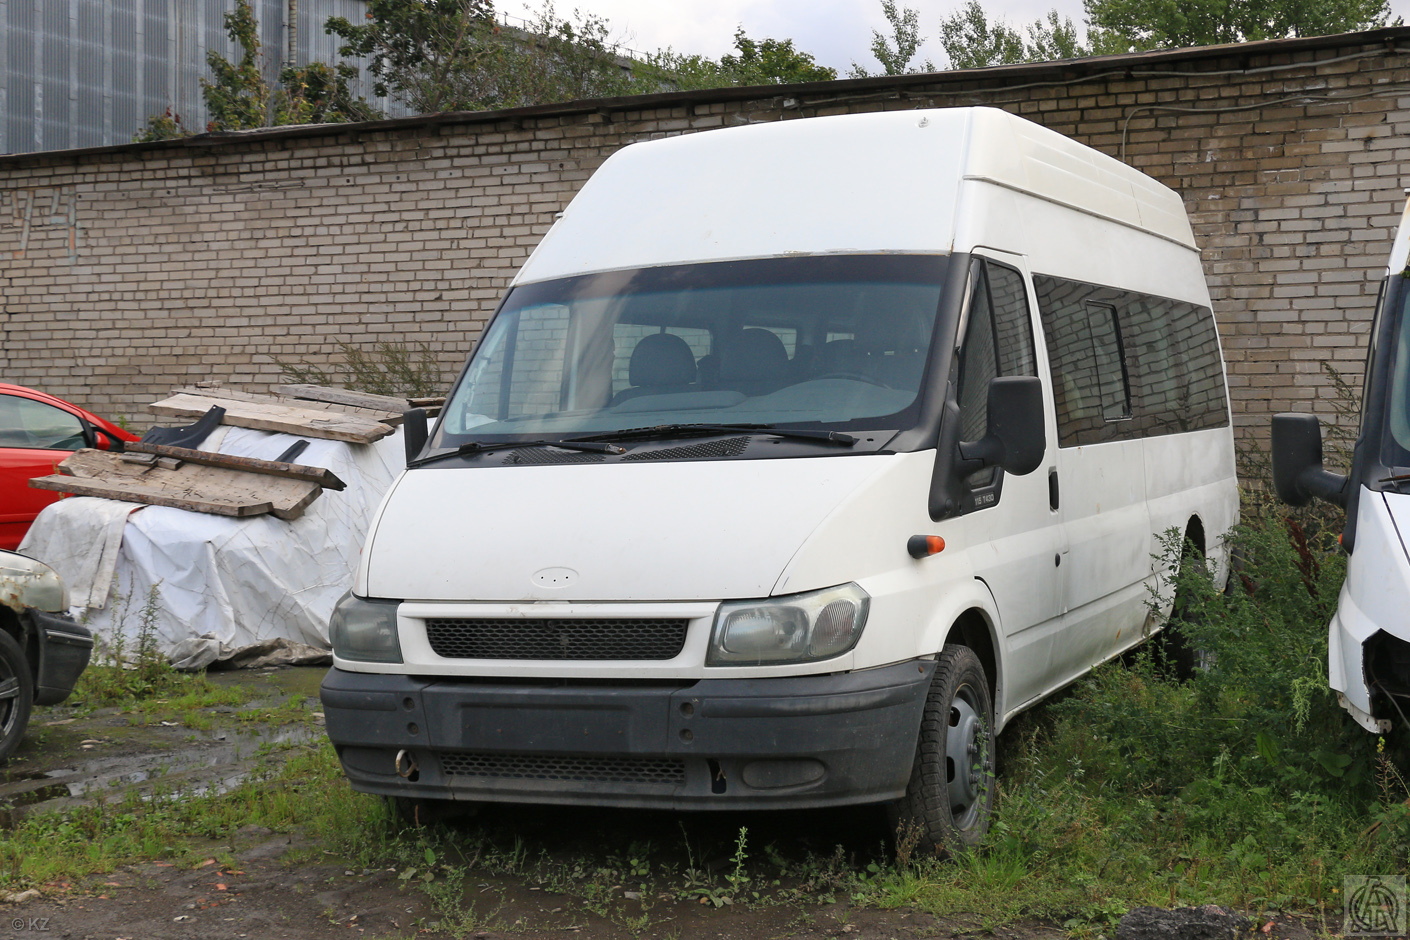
{"x":64,"y":650}
{"x":793,"y":742}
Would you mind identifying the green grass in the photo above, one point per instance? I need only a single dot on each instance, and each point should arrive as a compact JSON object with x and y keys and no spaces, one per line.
{"x":1246,"y":785}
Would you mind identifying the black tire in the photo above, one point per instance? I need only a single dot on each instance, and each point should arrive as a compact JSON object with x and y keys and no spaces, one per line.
{"x":16,"y":695}
{"x":1178,"y":657}
{"x":950,"y":799}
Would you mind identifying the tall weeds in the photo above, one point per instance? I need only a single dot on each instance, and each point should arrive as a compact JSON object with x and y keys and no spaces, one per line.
{"x":397,"y":369}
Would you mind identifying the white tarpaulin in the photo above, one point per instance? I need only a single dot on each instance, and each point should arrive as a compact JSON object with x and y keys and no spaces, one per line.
{"x":228,"y":583}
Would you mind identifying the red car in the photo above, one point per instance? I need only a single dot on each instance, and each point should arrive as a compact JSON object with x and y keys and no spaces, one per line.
{"x":36,"y":432}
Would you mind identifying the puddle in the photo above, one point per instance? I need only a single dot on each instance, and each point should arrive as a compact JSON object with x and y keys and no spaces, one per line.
{"x":213,"y":763}
{"x":289,"y":680}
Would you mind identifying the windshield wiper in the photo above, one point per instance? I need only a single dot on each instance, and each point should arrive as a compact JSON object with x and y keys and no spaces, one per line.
{"x":481,"y":447}
{"x":688,"y":430}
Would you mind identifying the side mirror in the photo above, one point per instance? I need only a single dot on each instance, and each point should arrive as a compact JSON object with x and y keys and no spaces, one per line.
{"x":90,"y":433}
{"x":1298,"y":476}
{"x":415,"y":430}
{"x":1015,"y":439}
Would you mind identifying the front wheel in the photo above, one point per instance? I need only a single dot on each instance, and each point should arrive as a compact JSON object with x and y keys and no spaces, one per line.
{"x":16,"y":694}
{"x":950,"y":797}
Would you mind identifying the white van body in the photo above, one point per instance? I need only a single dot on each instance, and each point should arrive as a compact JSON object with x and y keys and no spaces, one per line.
{"x":956,"y":227}
{"x":1369,"y":643}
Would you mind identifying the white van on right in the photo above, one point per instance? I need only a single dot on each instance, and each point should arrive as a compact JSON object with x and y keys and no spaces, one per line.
{"x":1369,"y":646}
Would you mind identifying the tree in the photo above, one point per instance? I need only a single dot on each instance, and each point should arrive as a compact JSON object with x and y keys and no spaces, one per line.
{"x":433,"y":55}
{"x":771,"y":62}
{"x":754,"y":62}
{"x":1165,"y":24}
{"x":559,"y":60}
{"x":451,"y":55}
{"x":1054,"y":37}
{"x":319,"y":93}
{"x":896,"y":51}
{"x":239,"y":98}
{"x":668,"y":70}
{"x":971,"y":41}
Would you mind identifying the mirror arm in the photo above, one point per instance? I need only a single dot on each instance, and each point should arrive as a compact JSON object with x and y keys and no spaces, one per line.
{"x":988,"y":451}
{"x":415,"y":431}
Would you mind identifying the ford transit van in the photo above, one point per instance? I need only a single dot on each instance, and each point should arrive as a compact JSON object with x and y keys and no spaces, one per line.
{"x":797,"y":460}
{"x":1369,"y":643}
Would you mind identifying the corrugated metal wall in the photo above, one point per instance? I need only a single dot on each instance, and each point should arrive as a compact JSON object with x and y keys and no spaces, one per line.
{"x":88,"y":73}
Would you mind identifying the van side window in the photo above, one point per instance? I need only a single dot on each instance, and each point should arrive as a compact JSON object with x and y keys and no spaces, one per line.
{"x":1128,"y":365}
{"x":998,"y":341}
{"x":1013,"y":325}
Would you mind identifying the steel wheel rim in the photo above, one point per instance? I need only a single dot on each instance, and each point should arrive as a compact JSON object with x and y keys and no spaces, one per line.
{"x":966,"y":759}
{"x":9,"y":702}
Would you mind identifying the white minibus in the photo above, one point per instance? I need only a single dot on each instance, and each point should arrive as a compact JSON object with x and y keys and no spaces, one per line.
{"x":798,"y":459}
{"x":1369,"y":644}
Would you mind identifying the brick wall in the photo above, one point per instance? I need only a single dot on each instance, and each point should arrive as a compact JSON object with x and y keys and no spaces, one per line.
{"x":126,"y":271}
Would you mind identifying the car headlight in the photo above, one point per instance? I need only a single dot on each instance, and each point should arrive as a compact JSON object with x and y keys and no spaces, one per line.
{"x":365,"y":630}
{"x":31,"y":583}
{"x":799,"y":628}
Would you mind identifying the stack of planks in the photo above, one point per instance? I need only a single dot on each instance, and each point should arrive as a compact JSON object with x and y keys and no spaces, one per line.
{"x":202,"y":481}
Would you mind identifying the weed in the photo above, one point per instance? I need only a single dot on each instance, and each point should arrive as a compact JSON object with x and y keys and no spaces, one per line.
{"x":396,"y":369}
{"x":123,"y":674}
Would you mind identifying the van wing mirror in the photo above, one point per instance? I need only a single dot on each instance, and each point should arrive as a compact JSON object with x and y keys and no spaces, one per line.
{"x":1015,"y":439}
{"x":1298,"y":476}
{"x":415,"y":430}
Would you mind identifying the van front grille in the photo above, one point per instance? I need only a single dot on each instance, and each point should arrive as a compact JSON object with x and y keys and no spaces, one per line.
{"x":556,"y":639}
{"x":554,"y":767}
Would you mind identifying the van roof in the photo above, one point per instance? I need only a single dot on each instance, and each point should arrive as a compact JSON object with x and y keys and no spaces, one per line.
{"x":1016,"y":153}
{"x":879,"y":182}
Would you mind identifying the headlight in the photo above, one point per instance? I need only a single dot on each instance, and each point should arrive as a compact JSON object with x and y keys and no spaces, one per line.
{"x":30,"y":583}
{"x":796,"y":629}
{"x":365,"y":630}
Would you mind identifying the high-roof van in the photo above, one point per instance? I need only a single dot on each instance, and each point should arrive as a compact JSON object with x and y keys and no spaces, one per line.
{"x":797,"y":460}
{"x":1369,"y":643}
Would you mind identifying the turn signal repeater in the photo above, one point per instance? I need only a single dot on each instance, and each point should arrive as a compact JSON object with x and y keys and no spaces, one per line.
{"x":923,"y":546}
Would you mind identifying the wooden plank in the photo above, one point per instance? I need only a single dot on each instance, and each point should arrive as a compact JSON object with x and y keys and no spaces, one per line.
{"x":133,"y":492}
{"x":269,"y":416}
{"x":192,"y":486}
{"x":345,"y":396}
{"x":391,"y":416}
{"x":295,"y":471}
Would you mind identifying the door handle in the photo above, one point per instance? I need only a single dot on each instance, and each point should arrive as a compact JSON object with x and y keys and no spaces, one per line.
{"x":1053,"y":489}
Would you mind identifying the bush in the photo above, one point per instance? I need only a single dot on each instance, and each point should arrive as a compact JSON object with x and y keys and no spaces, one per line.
{"x":1245,"y":784}
{"x":400,"y":370}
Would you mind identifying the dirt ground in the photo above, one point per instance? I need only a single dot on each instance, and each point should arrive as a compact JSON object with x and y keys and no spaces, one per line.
{"x":68,"y":758}
{"x":265,"y":899}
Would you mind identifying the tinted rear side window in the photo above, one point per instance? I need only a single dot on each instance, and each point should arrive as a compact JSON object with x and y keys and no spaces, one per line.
{"x":1128,"y":365}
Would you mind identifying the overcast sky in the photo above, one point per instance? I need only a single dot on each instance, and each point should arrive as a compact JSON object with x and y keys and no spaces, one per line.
{"x":836,"y":32}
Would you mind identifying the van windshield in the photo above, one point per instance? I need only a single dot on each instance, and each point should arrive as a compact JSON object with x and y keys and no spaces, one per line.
{"x":836,"y":342}
{"x":1395,"y":443}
